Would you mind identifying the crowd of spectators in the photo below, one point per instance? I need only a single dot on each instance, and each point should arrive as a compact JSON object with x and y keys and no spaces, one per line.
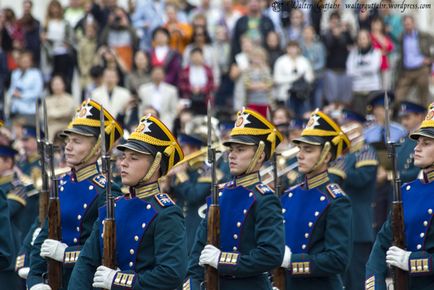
{"x":172,"y":57}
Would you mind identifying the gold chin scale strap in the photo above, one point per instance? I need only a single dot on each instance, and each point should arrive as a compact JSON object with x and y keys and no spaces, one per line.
{"x":154,"y":166}
{"x":255,"y":159}
{"x":325,"y":150}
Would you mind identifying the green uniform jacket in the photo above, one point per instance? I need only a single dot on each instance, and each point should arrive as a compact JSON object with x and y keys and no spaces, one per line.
{"x":80,"y":195}
{"x":150,"y":250}
{"x":318,"y":230}
{"x":358,"y":171}
{"x":418,"y":206}
{"x":6,"y":246}
{"x":251,"y":237}
{"x":405,"y":160}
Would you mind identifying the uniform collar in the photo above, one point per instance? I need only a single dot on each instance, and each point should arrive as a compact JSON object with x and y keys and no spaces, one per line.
{"x":32,"y":158}
{"x":248,"y":179}
{"x":317,"y":180}
{"x":149,"y":189}
{"x":85,"y":172}
{"x":428,"y":176}
{"x":6,"y":179}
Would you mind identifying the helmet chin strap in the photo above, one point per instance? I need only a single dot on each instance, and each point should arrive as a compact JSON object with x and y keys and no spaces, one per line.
{"x":154,"y":166}
{"x":324,"y":152}
{"x":256,"y":157}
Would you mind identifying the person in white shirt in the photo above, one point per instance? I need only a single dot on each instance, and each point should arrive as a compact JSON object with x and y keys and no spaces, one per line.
{"x":117,"y":100}
{"x":159,"y":95}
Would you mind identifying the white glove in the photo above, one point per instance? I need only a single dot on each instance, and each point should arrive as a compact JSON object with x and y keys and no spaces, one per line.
{"x":286,"y":258}
{"x":53,"y":249}
{"x":398,"y":257}
{"x":40,"y":286}
{"x":210,"y":255}
{"x":103,"y":277}
{"x":24,"y":272}
{"x":35,"y":235}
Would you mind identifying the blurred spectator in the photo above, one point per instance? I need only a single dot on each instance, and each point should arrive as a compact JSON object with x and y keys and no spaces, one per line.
{"x":281,"y":115}
{"x":162,"y":55}
{"x":254,"y":24}
{"x":160,"y":95}
{"x":392,"y":21}
{"x":241,"y":65}
{"x":337,"y":40}
{"x":196,"y":82}
{"x":210,"y":13}
{"x":381,"y":41}
{"x":184,"y":117}
{"x":258,"y":81}
{"x":86,"y":53}
{"x":100,"y":11}
{"x":74,"y":12}
{"x":415,"y":63}
{"x":26,"y":86}
{"x":31,"y":28}
{"x":365,"y":16}
{"x":140,"y":74}
{"x":146,"y":15}
{"x":87,"y":18}
{"x":96,"y":75}
{"x":60,"y":107}
{"x":313,"y":49}
{"x":292,"y":72}
{"x":57,"y":40}
{"x":223,"y":49}
{"x":295,"y":30}
{"x":180,"y":32}
{"x":276,"y":17}
{"x":273,"y":47}
{"x":11,"y":37}
{"x":120,"y":36}
{"x":229,"y":16}
{"x":4,"y":72}
{"x":202,"y":40}
{"x":115,"y":99}
{"x":108,"y":58}
{"x":363,"y":66}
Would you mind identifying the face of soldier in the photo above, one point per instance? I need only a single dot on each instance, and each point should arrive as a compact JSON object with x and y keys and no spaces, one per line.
{"x":30,"y":145}
{"x":307,"y":157}
{"x":6,"y":165}
{"x":411,"y":121}
{"x":134,"y":166}
{"x":424,"y":152}
{"x":240,"y":157}
{"x":77,"y":148}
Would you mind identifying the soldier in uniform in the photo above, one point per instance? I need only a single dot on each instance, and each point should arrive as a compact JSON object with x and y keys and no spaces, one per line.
{"x":81,"y":193}
{"x":150,"y":232}
{"x":317,"y":213}
{"x":358,"y":173}
{"x":411,"y":116}
{"x":192,"y":182}
{"x":11,"y":188}
{"x":251,"y":240}
{"x":418,"y":206}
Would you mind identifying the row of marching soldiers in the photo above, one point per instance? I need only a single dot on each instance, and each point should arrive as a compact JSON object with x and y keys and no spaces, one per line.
{"x":314,"y":233}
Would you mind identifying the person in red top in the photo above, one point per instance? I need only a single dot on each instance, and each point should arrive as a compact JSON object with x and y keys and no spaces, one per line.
{"x":382,"y":42}
{"x":163,"y":56}
{"x":196,"y":82}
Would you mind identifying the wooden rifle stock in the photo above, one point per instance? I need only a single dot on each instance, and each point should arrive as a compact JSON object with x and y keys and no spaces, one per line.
{"x":213,"y":238}
{"x":278,"y":274}
{"x":109,"y":227}
{"x":213,"y":223}
{"x":400,"y":277}
{"x":55,"y":268}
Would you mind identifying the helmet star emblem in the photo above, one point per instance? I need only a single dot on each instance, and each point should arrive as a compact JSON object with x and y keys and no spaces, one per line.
{"x":242,"y":120}
{"x":313,"y":122}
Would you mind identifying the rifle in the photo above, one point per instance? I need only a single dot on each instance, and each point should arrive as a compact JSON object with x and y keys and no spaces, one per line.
{"x":213,"y":234}
{"x":109,"y":227}
{"x":45,"y":191}
{"x":278,"y":273}
{"x":400,"y":277}
{"x":55,"y":268}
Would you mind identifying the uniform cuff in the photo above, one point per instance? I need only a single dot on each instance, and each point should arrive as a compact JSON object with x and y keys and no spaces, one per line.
{"x":420,"y":263}
{"x":370,"y":283}
{"x":300,"y":265}
{"x":71,"y":256}
{"x":124,"y":280}
{"x":20,"y":262}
